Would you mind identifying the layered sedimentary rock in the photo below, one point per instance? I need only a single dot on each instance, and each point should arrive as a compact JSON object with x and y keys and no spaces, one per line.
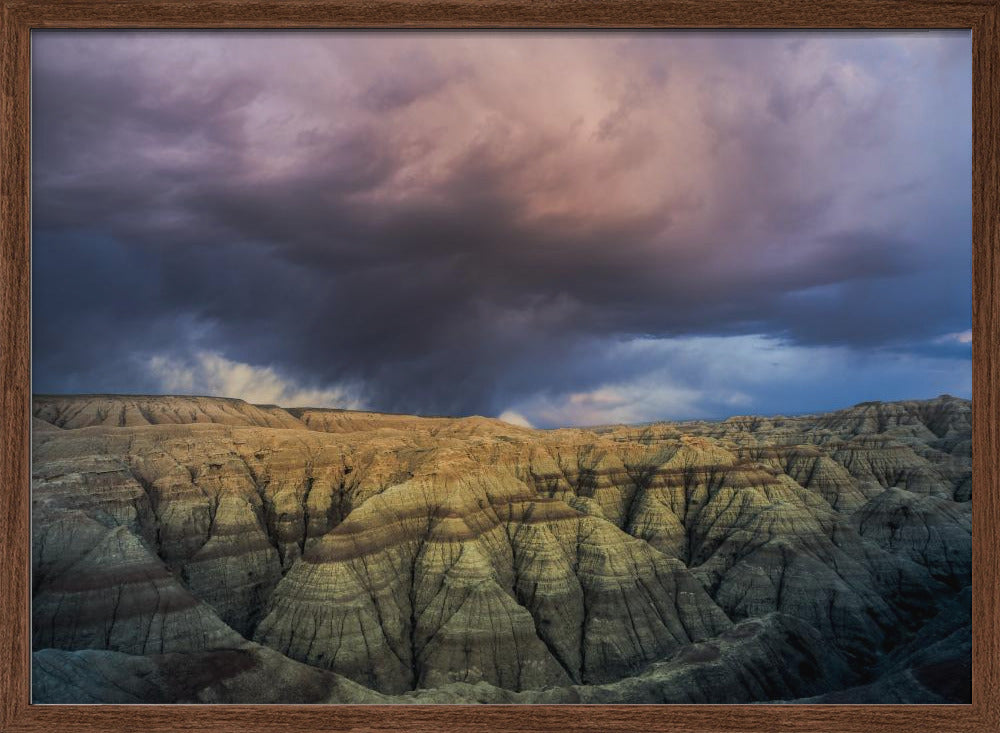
{"x":931,"y":531}
{"x":483,"y":584}
{"x":933,"y":667}
{"x":755,"y":660}
{"x":120,"y":411}
{"x":244,"y":673}
{"x":118,"y":596}
{"x":400,"y":558}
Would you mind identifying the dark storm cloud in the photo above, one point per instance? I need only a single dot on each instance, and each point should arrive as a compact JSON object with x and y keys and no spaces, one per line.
{"x":453,"y":223}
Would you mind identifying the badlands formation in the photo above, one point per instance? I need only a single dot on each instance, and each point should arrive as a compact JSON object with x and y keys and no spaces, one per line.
{"x":195,"y":549}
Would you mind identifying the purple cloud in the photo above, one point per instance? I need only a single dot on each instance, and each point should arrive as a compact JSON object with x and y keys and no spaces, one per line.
{"x":443,"y":217}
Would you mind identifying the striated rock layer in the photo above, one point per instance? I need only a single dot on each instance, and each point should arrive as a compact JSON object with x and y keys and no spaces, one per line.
{"x":200,"y":549}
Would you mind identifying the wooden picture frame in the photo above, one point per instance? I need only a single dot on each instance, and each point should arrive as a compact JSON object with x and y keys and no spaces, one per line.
{"x":19,"y":17}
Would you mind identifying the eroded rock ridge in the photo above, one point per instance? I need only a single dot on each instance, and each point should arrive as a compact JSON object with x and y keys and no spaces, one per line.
{"x":195,"y":549}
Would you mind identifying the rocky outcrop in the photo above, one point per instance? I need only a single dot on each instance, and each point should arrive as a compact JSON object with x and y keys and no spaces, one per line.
{"x":118,"y":596}
{"x":81,"y":411}
{"x":930,"y":531}
{"x":425,"y":585}
{"x":245,"y":673}
{"x":762,"y":659}
{"x":399,"y":558}
{"x":933,"y":667}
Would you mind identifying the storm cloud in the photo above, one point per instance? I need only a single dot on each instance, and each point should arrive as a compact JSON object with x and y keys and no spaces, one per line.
{"x":565,"y":228}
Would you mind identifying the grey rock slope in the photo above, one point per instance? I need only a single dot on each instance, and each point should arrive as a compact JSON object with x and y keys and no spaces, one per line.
{"x":194,"y":549}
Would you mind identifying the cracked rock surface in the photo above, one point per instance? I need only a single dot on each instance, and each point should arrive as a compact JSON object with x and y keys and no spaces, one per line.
{"x":195,"y":549}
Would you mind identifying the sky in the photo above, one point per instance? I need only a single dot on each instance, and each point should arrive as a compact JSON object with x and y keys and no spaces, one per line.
{"x":570,"y":228}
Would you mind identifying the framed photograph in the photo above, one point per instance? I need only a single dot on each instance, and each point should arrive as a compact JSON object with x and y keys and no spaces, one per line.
{"x":499,"y":366}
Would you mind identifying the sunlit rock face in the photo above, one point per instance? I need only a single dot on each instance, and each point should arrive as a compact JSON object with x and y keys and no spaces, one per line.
{"x":194,"y":549}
